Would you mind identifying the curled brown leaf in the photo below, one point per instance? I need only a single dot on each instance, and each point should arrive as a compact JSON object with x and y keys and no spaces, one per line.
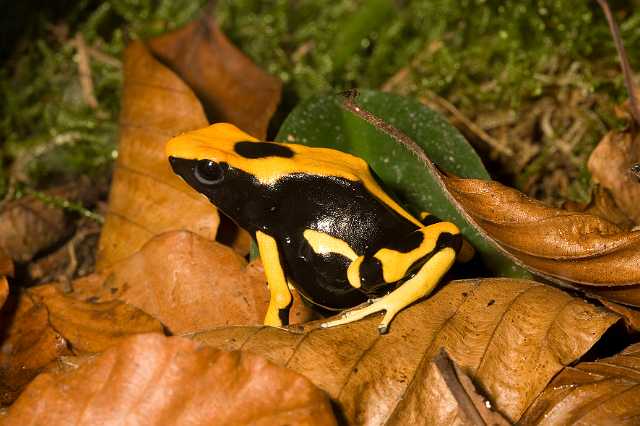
{"x":510,"y":336}
{"x":610,"y":164}
{"x":575,"y":247}
{"x":602,"y":392}
{"x":154,"y":380}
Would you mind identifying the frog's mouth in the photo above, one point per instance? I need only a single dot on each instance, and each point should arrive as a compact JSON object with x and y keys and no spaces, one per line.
{"x":182,"y":167}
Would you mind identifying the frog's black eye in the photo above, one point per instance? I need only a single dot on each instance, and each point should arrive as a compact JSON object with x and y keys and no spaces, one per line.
{"x":208,"y":172}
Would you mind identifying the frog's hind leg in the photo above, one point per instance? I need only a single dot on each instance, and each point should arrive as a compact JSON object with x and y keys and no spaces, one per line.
{"x":420,"y":285}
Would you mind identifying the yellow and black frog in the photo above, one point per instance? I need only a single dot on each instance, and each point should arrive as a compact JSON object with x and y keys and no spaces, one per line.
{"x":321,"y":221}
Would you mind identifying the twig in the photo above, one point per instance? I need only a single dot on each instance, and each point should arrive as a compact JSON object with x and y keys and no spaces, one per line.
{"x":105,"y":58}
{"x":624,"y":59}
{"x":449,"y":375}
{"x":84,"y":70}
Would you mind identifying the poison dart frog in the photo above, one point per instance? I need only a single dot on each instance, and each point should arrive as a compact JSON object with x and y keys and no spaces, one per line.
{"x":321,"y":221}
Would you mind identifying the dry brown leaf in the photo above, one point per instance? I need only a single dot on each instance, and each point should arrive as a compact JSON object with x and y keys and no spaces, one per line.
{"x":190,"y":284}
{"x":92,"y":327}
{"x":6,"y":264}
{"x":630,"y":315}
{"x":574,"y":247}
{"x":29,"y":344}
{"x":229,"y":85}
{"x":29,"y":225}
{"x":603,"y":205}
{"x":146,"y":197}
{"x":154,"y":380}
{"x":510,"y":336}
{"x":592,"y":393}
{"x":610,"y":164}
{"x":4,"y":290}
{"x":450,"y":394}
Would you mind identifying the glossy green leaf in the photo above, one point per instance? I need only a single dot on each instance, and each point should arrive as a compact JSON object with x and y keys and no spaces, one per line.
{"x":323,"y":121}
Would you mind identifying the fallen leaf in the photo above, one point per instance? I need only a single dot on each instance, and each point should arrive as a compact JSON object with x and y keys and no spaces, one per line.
{"x":190,"y":284}
{"x":449,"y":394}
{"x":603,"y":205}
{"x":92,"y":327}
{"x":574,"y":247}
{"x":630,"y":315}
{"x":592,"y":393}
{"x":4,"y":290}
{"x":510,"y":336}
{"x":6,"y":264}
{"x":6,"y":269}
{"x":154,"y":380}
{"x":146,"y":197}
{"x":610,"y":165}
{"x":29,"y":344}
{"x":29,"y":225}
{"x":229,"y":85}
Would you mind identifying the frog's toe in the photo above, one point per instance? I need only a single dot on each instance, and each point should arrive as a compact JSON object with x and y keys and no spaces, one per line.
{"x":383,"y":327}
{"x":354,"y":315}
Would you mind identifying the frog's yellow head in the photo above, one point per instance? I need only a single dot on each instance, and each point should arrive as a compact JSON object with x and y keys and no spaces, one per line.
{"x":201,"y":156}
{"x":226,"y":145}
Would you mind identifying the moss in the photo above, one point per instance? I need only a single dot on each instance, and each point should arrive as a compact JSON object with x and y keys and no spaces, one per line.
{"x":45,"y":123}
{"x":456,"y":45}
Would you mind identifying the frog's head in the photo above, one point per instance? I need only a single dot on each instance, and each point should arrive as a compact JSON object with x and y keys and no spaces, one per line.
{"x":227,"y":165}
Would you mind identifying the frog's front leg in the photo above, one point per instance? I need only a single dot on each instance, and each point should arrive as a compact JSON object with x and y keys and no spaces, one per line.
{"x":443,"y":240}
{"x":280,"y":296}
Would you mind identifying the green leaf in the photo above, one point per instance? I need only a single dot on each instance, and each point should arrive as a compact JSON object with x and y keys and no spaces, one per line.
{"x":323,"y":121}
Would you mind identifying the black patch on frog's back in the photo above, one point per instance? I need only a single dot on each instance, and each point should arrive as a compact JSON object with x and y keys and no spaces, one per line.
{"x":446,"y":239}
{"x":430,"y":220}
{"x":406,"y":244}
{"x":262,"y":150}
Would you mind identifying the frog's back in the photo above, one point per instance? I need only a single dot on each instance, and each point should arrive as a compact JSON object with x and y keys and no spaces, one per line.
{"x":347,"y":214}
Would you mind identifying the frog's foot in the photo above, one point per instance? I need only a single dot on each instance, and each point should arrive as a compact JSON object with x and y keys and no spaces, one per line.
{"x":357,"y":314}
{"x":420,"y":285}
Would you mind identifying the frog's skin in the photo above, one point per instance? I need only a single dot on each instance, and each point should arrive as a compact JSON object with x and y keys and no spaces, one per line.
{"x":322,"y":223}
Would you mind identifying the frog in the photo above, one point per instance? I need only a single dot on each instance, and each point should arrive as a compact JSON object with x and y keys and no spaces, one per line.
{"x":322,"y":222}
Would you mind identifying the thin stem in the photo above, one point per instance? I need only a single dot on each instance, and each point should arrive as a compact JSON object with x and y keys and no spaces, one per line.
{"x":624,"y":59}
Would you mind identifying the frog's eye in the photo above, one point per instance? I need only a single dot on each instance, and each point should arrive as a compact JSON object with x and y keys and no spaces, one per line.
{"x":208,"y":172}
